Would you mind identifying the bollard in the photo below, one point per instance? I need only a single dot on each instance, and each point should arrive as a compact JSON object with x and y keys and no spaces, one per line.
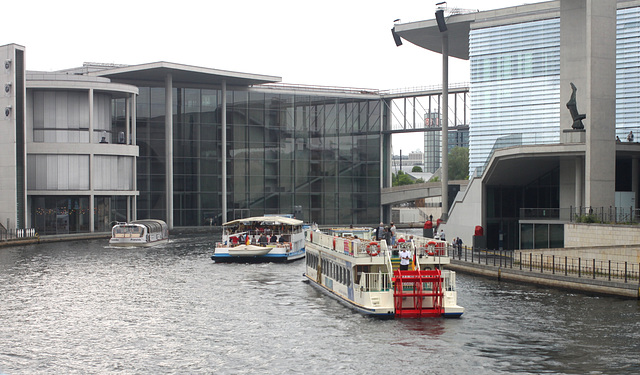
{"x":553,"y":264}
{"x":520,"y":261}
{"x":579,"y":266}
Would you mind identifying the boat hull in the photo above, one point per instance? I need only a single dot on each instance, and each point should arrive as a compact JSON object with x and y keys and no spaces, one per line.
{"x":135,"y":242}
{"x":226,"y":257}
{"x":380,"y":313}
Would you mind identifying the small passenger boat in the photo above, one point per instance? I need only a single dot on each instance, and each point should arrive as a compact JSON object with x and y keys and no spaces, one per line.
{"x":261,"y":239}
{"x":349,"y":265}
{"x":147,"y":232}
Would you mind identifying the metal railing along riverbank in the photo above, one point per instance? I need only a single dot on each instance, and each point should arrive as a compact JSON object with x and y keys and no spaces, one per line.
{"x":540,"y":264}
{"x":14,"y":234}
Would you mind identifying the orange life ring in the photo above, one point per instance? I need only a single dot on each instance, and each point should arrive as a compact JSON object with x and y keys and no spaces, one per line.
{"x":432,"y":243}
{"x":373,"y":248}
{"x":334,"y":243}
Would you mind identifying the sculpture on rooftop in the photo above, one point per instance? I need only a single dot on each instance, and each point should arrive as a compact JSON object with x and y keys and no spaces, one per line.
{"x":573,"y":109}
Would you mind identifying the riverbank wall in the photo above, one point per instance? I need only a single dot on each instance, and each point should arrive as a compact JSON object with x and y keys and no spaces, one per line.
{"x":584,"y":284}
{"x":98,"y":235}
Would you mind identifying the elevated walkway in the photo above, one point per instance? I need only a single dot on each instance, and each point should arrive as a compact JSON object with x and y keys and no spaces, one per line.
{"x":405,"y":193}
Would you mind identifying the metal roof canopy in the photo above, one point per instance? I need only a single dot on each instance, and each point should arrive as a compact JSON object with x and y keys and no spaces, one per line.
{"x":183,"y":74}
{"x":426,"y":34}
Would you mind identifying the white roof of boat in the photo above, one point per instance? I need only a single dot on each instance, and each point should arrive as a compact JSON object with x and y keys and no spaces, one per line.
{"x":269,"y":219}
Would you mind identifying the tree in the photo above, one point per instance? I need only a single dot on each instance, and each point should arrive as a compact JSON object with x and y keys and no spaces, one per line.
{"x":416,"y":168}
{"x":401,"y":179}
{"x":459,"y":163}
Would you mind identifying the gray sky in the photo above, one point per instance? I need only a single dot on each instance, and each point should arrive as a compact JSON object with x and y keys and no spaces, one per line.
{"x":344,"y":43}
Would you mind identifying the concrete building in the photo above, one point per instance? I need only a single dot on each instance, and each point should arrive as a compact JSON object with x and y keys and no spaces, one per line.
{"x":533,"y":171}
{"x":85,"y":147}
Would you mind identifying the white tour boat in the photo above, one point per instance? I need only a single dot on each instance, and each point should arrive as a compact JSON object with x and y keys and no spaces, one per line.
{"x":261,"y":239}
{"x":349,"y":265}
{"x":147,"y":232}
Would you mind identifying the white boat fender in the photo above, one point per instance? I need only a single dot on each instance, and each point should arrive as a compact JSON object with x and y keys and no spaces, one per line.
{"x":373,"y":248}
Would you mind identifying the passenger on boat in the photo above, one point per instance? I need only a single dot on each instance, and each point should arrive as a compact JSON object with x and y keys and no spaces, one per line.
{"x":263,"y":240}
{"x":380,"y":232}
{"x":282,"y":239}
{"x":405,"y":259}
{"x":273,"y":238}
{"x":393,"y":234}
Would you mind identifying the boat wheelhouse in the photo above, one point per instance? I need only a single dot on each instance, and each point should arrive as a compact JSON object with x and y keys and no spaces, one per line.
{"x":365,"y":274}
{"x":261,"y":239}
{"x":147,"y":232}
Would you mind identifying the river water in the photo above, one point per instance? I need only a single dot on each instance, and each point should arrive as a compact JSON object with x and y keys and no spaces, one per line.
{"x":84,"y":308}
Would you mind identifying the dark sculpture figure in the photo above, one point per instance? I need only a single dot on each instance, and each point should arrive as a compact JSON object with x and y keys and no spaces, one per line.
{"x":573,"y":109}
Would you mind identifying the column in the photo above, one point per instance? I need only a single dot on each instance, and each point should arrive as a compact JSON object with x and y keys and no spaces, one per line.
{"x":134,"y":207}
{"x":588,"y":59}
{"x":635,"y":180}
{"x":224,"y":152}
{"x":168,"y":124}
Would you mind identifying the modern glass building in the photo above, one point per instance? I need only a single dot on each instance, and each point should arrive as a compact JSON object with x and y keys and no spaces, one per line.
{"x":533,"y":171}
{"x":192,"y":146}
{"x":315,"y":154}
{"x":515,"y":84}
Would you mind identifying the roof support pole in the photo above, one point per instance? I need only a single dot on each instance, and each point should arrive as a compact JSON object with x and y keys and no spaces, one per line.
{"x":444,"y":171}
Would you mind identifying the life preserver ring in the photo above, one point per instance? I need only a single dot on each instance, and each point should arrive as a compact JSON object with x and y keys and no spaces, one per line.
{"x":431,"y":247}
{"x":373,"y":248}
{"x":334,"y":243}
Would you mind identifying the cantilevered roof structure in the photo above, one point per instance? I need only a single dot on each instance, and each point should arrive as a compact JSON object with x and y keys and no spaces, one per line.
{"x":182,"y":74}
{"x":426,"y":34}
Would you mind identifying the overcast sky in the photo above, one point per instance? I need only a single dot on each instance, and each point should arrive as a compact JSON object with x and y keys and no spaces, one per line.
{"x":344,"y":43}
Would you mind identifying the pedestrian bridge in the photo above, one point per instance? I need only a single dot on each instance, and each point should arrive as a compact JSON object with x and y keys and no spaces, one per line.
{"x":405,"y":193}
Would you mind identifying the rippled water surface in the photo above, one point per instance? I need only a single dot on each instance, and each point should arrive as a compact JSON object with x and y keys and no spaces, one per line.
{"x":82,"y":307}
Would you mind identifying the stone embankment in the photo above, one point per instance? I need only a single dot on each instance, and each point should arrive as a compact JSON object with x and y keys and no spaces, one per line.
{"x":578,"y":274}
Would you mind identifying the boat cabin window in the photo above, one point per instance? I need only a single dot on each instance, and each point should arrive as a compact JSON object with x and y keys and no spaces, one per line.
{"x":128,"y":231}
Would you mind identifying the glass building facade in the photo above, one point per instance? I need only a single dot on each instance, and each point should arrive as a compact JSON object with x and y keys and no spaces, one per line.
{"x":315,"y":155}
{"x":515,"y":75}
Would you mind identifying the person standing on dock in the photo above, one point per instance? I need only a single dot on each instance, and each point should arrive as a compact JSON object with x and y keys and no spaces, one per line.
{"x":405,"y":259}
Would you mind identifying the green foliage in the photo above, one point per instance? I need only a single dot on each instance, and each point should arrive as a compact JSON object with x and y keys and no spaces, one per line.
{"x":459,"y":163}
{"x":401,"y":179}
{"x":434,"y":179}
{"x":416,"y":168}
{"x":587,"y":219}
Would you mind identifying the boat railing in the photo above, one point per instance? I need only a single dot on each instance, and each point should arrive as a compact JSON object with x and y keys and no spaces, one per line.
{"x":375,"y":282}
{"x":349,"y":245}
{"x":425,"y":246}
